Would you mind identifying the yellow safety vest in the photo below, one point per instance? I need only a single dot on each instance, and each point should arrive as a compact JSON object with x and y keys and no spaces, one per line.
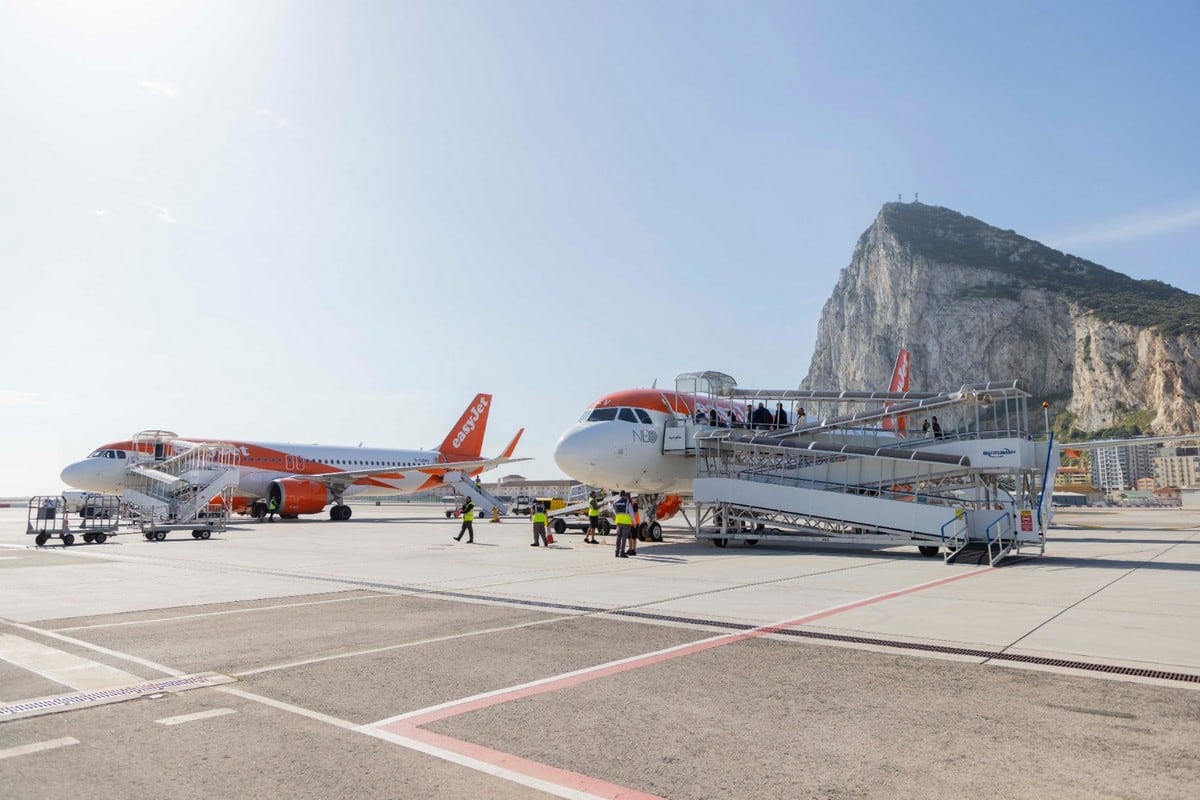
{"x":539,"y":516}
{"x":469,"y":512}
{"x":593,"y":509}
{"x":622,"y":509}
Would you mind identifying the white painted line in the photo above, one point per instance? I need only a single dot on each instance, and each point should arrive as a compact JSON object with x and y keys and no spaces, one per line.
{"x":37,"y":747}
{"x":62,"y":667}
{"x":199,"y":715}
{"x":221,"y":613}
{"x":282,"y":706}
{"x":10,"y":558}
{"x":98,"y":649}
{"x":419,"y":642}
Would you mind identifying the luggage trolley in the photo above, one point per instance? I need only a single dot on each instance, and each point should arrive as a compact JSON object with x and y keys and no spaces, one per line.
{"x":49,"y":516}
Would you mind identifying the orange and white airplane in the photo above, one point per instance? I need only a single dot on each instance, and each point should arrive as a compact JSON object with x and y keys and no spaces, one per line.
{"x":303,"y":479}
{"x":618,"y":441}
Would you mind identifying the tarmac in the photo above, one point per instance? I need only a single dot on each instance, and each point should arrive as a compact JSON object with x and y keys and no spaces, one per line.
{"x":379,"y":658}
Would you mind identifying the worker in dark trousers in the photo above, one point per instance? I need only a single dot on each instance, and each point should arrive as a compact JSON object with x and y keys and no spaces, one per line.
{"x":593,"y":519}
{"x":539,"y":525}
{"x":272,"y":508}
{"x":468,"y":516}
{"x":623,"y":509}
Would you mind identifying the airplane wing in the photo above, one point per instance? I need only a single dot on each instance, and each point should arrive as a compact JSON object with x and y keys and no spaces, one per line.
{"x":347,"y":477}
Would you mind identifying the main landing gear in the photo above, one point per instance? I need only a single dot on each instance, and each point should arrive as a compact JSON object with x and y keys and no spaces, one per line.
{"x":339,"y":513}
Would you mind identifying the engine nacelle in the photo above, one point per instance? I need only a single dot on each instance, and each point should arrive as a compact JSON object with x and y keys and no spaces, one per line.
{"x":294,"y":496}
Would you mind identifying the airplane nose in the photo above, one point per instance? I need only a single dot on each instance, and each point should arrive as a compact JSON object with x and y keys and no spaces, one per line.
{"x":80,"y":475}
{"x":576,"y":452}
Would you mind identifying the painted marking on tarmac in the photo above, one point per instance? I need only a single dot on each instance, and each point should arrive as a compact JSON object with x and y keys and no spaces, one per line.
{"x":10,"y":558}
{"x":552,"y":780}
{"x":199,"y":715}
{"x":37,"y":747}
{"x":220,"y":613}
{"x":145,"y":662}
{"x":294,"y":709}
{"x":374,"y":650}
{"x":405,"y":729}
{"x":62,"y":667}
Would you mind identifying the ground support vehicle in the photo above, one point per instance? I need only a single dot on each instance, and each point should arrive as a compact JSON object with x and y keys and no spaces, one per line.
{"x":52,"y":516}
{"x":575,"y":516}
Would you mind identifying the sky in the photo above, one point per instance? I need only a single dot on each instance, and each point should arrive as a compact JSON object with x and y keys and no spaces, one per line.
{"x":336,"y":222}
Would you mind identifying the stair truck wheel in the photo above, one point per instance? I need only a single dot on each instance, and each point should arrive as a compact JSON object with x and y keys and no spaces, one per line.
{"x":195,"y":534}
{"x":41,"y":538}
{"x":928,"y":550}
{"x":751,"y":542}
{"x":160,"y":536}
{"x":149,"y":536}
{"x":205,"y":534}
{"x":99,"y":538}
{"x":720,"y":542}
{"x":68,"y":539}
{"x":655,"y":532}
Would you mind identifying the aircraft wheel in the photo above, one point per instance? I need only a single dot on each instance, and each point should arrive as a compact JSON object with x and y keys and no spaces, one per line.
{"x":605,"y":527}
{"x":205,"y":534}
{"x":640,"y":530}
{"x":751,"y":542}
{"x":160,"y":536}
{"x":346,"y":513}
{"x":928,"y":550}
{"x":87,"y":538}
{"x":41,"y":539}
{"x":99,"y":538}
{"x":560,"y":526}
{"x":68,"y":539}
{"x":655,"y":532}
{"x":720,"y":542}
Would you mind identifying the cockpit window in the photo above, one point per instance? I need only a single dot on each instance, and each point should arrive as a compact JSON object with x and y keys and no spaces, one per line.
{"x":626,"y":415}
{"x":602,"y":415}
{"x":643,"y":416}
{"x":96,"y":454}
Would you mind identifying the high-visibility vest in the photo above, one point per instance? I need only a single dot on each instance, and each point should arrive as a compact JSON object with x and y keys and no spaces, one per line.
{"x":621,"y":507}
{"x":469,"y":512}
{"x":539,"y":516}
{"x":593,"y":508}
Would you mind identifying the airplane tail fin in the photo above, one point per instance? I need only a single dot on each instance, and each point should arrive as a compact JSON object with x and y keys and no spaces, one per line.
{"x":508,"y":451}
{"x":465,"y":439}
{"x":899,"y":384}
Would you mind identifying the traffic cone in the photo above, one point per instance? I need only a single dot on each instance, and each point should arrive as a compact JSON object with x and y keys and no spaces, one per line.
{"x":495,"y":513}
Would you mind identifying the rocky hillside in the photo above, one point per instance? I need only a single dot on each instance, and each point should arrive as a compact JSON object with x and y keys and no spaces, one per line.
{"x":972,"y":302}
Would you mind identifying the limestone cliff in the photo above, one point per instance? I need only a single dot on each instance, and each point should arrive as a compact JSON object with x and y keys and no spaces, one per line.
{"x":973,"y":302}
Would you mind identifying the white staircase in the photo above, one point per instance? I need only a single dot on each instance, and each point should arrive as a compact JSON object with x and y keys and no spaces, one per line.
{"x":176,"y":482}
{"x":485,"y":501}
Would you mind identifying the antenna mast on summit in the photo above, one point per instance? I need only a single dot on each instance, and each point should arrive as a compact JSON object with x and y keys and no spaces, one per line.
{"x":916,"y":197}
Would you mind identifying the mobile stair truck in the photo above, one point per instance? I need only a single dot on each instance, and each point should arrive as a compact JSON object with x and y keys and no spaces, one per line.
{"x":176,"y":485}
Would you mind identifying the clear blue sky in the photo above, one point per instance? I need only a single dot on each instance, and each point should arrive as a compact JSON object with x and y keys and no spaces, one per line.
{"x":335,"y":222}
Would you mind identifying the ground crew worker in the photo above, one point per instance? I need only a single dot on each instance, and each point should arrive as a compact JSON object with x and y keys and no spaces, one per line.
{"x":539,"y":525}
{"x":468,"y":516}
{"x":272,"y":507}
{"x":593,"y":519}
{"x":623,"y":509}
{"x":634,"y":534}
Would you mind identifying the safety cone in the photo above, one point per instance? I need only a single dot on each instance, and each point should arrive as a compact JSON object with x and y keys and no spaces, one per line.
{"x":495,"y":513}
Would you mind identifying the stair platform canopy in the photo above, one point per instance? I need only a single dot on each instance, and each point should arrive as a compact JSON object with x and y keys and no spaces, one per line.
{"x":947,"y":472}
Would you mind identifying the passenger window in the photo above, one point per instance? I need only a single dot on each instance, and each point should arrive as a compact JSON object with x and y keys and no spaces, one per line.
{"x":602,"y":415}
{"x":643,"y":416}
{"x":626,"y":415}
{"x":120,"y":454}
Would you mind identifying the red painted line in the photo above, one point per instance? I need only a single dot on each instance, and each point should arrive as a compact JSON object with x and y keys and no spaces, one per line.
{"x":537,"y":771}
{"x":478,"y":702}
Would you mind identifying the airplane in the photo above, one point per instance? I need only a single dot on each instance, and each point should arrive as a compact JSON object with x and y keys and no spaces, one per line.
{"x":304,"y":479}
{"x":618,"y":442}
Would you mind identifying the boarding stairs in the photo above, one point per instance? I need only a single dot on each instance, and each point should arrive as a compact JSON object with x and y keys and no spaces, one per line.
{"x":843,"y":480}
{"x":484,"y":500}
{"x":174,"y":483}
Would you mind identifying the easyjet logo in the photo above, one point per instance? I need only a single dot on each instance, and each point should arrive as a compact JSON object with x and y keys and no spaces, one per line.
{"x":470,"y":422}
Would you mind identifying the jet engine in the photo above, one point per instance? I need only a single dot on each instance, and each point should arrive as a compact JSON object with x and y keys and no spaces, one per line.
{"x":295,"y":496}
